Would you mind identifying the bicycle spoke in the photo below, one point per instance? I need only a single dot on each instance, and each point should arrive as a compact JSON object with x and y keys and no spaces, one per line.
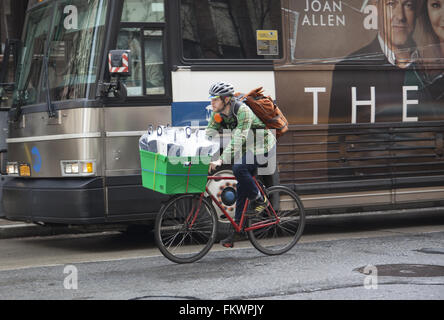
{"x":281,"y":236}
{"x":181,"y":241}
{"x":186,"y":228}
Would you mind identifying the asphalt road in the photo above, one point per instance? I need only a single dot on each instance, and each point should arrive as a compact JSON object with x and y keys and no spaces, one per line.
{"x":403,"y":257}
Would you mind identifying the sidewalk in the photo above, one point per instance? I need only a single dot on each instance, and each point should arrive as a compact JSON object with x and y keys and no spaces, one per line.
{"x":13,"y":229}
{"x":17,"y":229}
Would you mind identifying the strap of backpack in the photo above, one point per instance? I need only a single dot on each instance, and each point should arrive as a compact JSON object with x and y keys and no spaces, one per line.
{"x":237,"y":105}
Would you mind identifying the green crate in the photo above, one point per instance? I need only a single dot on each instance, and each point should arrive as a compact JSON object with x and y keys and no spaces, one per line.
{"x":174,"y":176}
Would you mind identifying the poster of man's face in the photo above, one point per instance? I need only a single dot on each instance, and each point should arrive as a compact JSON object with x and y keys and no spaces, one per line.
{"x":396,"y":21}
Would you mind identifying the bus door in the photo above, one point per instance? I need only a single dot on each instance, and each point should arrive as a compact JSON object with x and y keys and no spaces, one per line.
{"x":142,"y":30}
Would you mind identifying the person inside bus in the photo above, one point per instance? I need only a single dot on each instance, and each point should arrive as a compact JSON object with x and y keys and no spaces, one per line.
{"x":393,"y":47}
{"x":246,"y":162}
{"x":428,"y":73}
{"x":130,"y":40}
{"x":154,"y":68}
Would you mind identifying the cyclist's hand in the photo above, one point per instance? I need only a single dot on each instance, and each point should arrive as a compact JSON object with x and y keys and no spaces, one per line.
{"x":214,"y":165}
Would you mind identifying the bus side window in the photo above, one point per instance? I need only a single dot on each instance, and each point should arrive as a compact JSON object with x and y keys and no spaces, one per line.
{"x":143,"y":11}
{"x":228,"y":30}
{"x":130,"y":39}
{"x":148,"y":73}
{"x":154,"y":66}
{"x":146,"y":43}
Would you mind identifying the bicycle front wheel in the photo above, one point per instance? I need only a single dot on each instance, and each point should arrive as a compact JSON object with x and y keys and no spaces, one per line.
{"x":281,"y":225}
{"x":186,"y":228}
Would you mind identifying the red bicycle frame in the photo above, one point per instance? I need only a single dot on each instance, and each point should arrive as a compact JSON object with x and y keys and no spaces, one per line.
{"x":239,"y":226}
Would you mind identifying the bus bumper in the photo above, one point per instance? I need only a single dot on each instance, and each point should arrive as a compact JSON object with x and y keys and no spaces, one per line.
{"x":65,"y":201}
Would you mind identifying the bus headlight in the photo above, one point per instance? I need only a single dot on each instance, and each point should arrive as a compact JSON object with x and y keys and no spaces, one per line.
{"x":78,"y":168}
{"x":12,"y":168}
{"x":24,"y":170}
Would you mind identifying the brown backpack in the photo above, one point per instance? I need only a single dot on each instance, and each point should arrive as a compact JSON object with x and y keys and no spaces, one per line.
{"x":265,"y":109}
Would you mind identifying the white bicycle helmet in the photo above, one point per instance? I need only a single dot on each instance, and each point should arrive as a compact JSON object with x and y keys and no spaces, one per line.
{"x":221,"y":89}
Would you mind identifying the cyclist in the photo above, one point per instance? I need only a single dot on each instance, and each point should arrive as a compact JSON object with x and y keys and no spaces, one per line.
{"x":230,"y":113}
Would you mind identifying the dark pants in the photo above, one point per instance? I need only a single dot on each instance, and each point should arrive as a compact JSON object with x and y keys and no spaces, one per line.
{"x":246,"y":187}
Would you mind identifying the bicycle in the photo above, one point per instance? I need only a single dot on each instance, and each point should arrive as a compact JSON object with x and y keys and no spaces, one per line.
{"x":186,"y":227}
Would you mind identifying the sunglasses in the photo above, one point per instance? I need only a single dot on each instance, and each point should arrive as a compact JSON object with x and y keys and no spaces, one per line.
{"x":213,"y":98}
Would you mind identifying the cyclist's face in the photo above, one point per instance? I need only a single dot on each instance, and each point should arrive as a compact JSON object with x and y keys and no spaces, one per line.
{"x":436,"y":15}
{"x":217,"y":104}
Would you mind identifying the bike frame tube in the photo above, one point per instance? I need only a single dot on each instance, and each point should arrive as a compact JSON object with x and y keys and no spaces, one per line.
{"x":197,"y":211}
{"x":224,"y":178}
{"x":261,"y":225}
{"x":238,"y":228}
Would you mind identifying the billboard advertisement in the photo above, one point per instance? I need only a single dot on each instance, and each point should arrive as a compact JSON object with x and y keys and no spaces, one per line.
{"x":370,"y":61}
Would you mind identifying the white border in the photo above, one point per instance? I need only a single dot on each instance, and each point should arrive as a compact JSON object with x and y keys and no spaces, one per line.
{"x":55,"y":137}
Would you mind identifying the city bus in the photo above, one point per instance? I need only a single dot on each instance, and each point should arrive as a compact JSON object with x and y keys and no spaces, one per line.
{"x":361,"y":83}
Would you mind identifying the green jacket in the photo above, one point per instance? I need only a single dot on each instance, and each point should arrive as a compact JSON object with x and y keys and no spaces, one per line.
{"x":248,"y":133}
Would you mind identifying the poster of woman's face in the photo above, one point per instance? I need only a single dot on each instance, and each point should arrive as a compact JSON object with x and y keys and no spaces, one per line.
{"x":435,"y":15}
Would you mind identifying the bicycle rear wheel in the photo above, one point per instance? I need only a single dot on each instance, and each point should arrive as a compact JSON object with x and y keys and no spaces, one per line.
{"x":186,"y":228}
{"x":278,"y":238}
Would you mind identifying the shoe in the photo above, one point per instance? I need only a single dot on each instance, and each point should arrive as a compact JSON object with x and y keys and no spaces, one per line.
{"x":229,"y":241}
{"x":257,"y":207}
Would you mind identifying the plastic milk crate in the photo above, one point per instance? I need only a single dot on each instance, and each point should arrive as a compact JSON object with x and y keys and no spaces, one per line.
{"x":174,"y":175}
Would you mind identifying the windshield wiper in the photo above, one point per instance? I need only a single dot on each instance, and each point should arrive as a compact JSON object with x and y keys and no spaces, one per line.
{"x":50,"y":106}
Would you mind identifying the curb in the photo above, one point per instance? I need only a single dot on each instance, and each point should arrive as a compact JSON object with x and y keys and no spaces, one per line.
{"x":26,"y":230}
{"x":10,"y":230}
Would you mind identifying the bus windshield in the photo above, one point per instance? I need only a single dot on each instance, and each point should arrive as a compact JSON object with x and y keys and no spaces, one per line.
{"x":76,"y":30}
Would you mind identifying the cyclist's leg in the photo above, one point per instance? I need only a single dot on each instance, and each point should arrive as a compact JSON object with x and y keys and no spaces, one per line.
{"x":241,"y":197}
{"x":246,"y":189}
{"x":244,"y":172}
{"x":228,"y":242}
